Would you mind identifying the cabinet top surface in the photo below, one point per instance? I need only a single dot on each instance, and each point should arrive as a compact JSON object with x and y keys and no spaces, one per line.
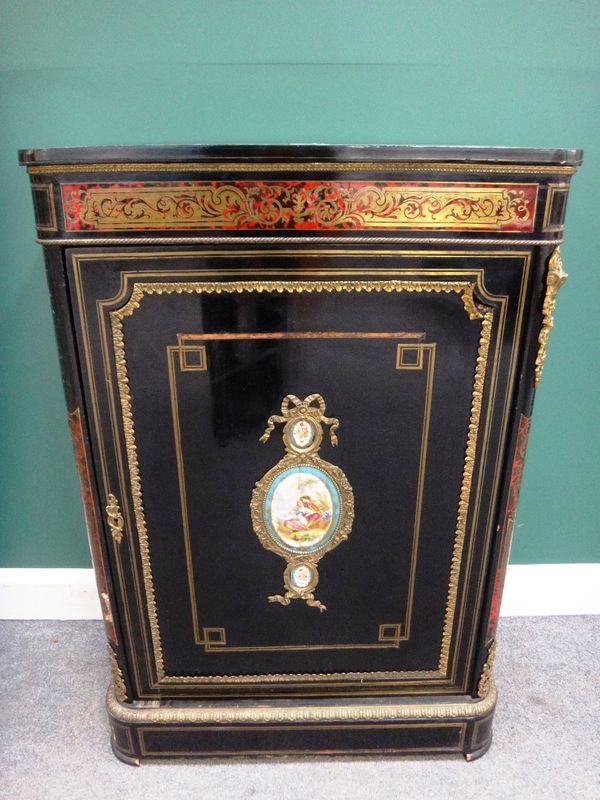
{"x":299,"y":153}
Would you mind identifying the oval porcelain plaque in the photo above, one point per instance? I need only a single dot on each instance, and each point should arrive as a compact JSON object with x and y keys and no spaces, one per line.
{"x":302,"y":508}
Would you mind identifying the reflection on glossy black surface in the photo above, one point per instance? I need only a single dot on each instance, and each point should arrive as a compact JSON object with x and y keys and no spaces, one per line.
{"x":250,"y":369}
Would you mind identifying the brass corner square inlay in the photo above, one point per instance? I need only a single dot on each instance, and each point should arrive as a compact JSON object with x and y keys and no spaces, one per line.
{"x":214,"y":636}
{"x":409,"y":356}
{"x":193,"y":358}
{"x":390,"y":633}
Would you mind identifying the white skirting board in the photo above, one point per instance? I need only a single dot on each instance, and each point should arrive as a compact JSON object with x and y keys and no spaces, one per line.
{"x":530,"y":590}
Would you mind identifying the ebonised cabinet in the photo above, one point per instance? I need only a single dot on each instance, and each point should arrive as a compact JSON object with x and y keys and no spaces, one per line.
{"x":299,"y":383}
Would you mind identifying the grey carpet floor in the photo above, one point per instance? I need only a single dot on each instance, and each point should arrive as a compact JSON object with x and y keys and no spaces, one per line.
{"x":54,"y":736}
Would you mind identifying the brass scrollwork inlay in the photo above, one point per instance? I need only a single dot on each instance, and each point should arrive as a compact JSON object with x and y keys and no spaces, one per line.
{"x":485,"y":681}
{"x":251,"y":204}
{"x":117,"y":676}
{"x":114,"y":518}
{"x":555,"y":279}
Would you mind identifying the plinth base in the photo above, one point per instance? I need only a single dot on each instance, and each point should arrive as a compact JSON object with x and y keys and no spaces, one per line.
{"x":342,"y":726}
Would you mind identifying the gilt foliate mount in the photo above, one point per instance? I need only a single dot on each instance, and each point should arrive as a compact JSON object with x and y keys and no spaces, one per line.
{"x":304,"y":506}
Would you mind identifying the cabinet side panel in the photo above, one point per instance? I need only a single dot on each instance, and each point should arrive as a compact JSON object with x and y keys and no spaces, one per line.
{"x":513,"y":466}
{"x":77,"y":422}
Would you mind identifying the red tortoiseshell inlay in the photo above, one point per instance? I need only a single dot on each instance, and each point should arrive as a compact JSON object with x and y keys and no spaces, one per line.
{"x":91,"y":521}
{"x":516,"y":477}
{"x":299,"y":205}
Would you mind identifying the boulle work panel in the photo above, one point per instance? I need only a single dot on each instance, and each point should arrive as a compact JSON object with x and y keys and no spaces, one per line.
{"x":302,"y":381}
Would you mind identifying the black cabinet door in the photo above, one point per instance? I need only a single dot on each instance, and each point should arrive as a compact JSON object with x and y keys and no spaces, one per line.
{"x":185,"y":356}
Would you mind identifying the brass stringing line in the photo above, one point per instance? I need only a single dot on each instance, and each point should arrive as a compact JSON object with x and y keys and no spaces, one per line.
{"x":464,"y":288}
{"x":306,"y":166}
{"x":172,"y":351}
{"x":391,"y":725}
{"x":297,"y":752}
{"x":431,"y":349}
{"x":90,"y":372}
{"x":125,"y":606}
{"x":216,"y":647}
{"x":460,"y":728}
{"x":387,"y":725}
{"x":254,"y":240}
{"x":199,"y":640}
{"x":128,"y":277}
{"x":465,"y":491}
{"x":334,"y":678}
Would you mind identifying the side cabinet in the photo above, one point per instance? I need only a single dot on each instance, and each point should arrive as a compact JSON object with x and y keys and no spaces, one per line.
{"x":299,"y":384}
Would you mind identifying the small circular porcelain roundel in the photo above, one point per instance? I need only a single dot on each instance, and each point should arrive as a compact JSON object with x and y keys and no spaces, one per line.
{"x":302,"y":434}
{"x":301,"y":576}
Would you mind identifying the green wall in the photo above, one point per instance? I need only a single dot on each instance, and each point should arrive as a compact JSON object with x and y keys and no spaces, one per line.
{"x":89,"y":73}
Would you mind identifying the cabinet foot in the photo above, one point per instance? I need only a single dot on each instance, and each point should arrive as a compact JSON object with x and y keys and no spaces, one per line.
{"x":475,"y":754}
{"x":126,"y":758}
